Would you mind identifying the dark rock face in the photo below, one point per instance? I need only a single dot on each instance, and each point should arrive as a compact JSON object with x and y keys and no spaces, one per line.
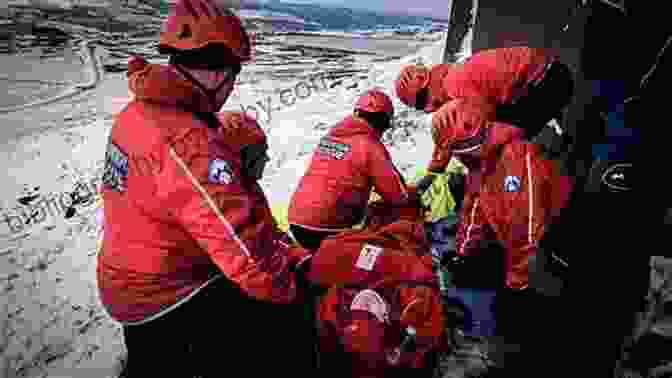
{"x":520,"y":22}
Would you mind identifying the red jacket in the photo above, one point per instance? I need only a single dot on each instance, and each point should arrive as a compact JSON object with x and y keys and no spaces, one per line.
{"x":333,"y":193}
{"x":501,"y":75}
{"x":166,"y":236}
{"x":517,"y":197}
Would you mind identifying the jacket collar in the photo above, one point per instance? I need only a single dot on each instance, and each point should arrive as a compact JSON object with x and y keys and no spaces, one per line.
{"x":352,"y":125}
{"x":162,"y":84}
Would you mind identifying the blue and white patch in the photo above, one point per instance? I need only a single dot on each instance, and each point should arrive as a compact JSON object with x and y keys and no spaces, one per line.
{"x":219,"y":172}
{"x":512,"y":184}
{"x":115,"y":172}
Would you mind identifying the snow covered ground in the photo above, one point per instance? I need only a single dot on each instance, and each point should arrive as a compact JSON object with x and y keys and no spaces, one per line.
{"x":51,"y":323}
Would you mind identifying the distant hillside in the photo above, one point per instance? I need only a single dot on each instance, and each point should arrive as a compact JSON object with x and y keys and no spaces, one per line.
{"x":129,"y":15}
{"x":336,"y":18}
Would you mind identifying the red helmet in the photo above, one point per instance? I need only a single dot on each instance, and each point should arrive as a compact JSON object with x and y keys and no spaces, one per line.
{"x":375,"y":101}
{"x":410,"y":81}
{"x":195,"y":24}
{"x":461,"y":124}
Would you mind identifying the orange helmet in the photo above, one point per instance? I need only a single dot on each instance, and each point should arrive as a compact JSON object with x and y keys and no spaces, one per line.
{"x":461,"y":124}
{"x":411,"y":80}
{"x":375,"y":101}
{"x":196,"y":24}
{"x":240,"y":130}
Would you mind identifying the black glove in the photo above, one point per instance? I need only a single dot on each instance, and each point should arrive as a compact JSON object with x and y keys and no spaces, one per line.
{"x":424,"y":183}
{"x":301,"y":272}
{"x":307,"y":287}
{"x":456,"y":184}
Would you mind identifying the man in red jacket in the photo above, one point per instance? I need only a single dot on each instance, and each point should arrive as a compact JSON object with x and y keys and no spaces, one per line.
{"x":528,"y":86}
{"x":515,"y":193}
{"x":191,"y":262}
{"x":332,"y":195}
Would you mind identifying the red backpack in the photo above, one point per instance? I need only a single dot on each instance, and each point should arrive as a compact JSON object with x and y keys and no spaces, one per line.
{"x":391,"y":247}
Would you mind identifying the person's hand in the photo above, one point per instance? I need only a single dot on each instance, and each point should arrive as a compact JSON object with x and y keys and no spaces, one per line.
{"x":302,"y":268}
{"x":302,"y":273}
{"x":424,"y":183}
{"x":307,"y":288}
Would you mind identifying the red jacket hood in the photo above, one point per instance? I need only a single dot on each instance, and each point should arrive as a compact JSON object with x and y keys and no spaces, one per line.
{"x":351,"y":126}
{"x":161,"y":84}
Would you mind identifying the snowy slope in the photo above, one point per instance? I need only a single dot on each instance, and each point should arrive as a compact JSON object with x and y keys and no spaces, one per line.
{"x":50,"y":318}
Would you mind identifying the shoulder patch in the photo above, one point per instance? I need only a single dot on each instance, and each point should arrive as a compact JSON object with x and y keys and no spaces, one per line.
{"x":115,"y":172}
{"x":512,"y":184}
{"x":333,"y":149}
{"x":368,"y":256}
{"x":219,"y":172}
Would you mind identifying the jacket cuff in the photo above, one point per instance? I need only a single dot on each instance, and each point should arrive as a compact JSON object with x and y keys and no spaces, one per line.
{"x":436,"y":167}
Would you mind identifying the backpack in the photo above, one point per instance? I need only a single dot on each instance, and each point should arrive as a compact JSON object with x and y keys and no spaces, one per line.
{"x":390,"y":245}
{"x":361,"y":258}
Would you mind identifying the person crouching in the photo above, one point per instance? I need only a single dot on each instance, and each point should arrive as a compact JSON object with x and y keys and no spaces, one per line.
{"x":349,"y":161}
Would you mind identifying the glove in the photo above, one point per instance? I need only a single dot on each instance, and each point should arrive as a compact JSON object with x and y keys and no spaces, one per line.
{"x":423,"y":184}
{"x":302,"y":268}
{"x":301,"y":274}
{"x":300,"y":264}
